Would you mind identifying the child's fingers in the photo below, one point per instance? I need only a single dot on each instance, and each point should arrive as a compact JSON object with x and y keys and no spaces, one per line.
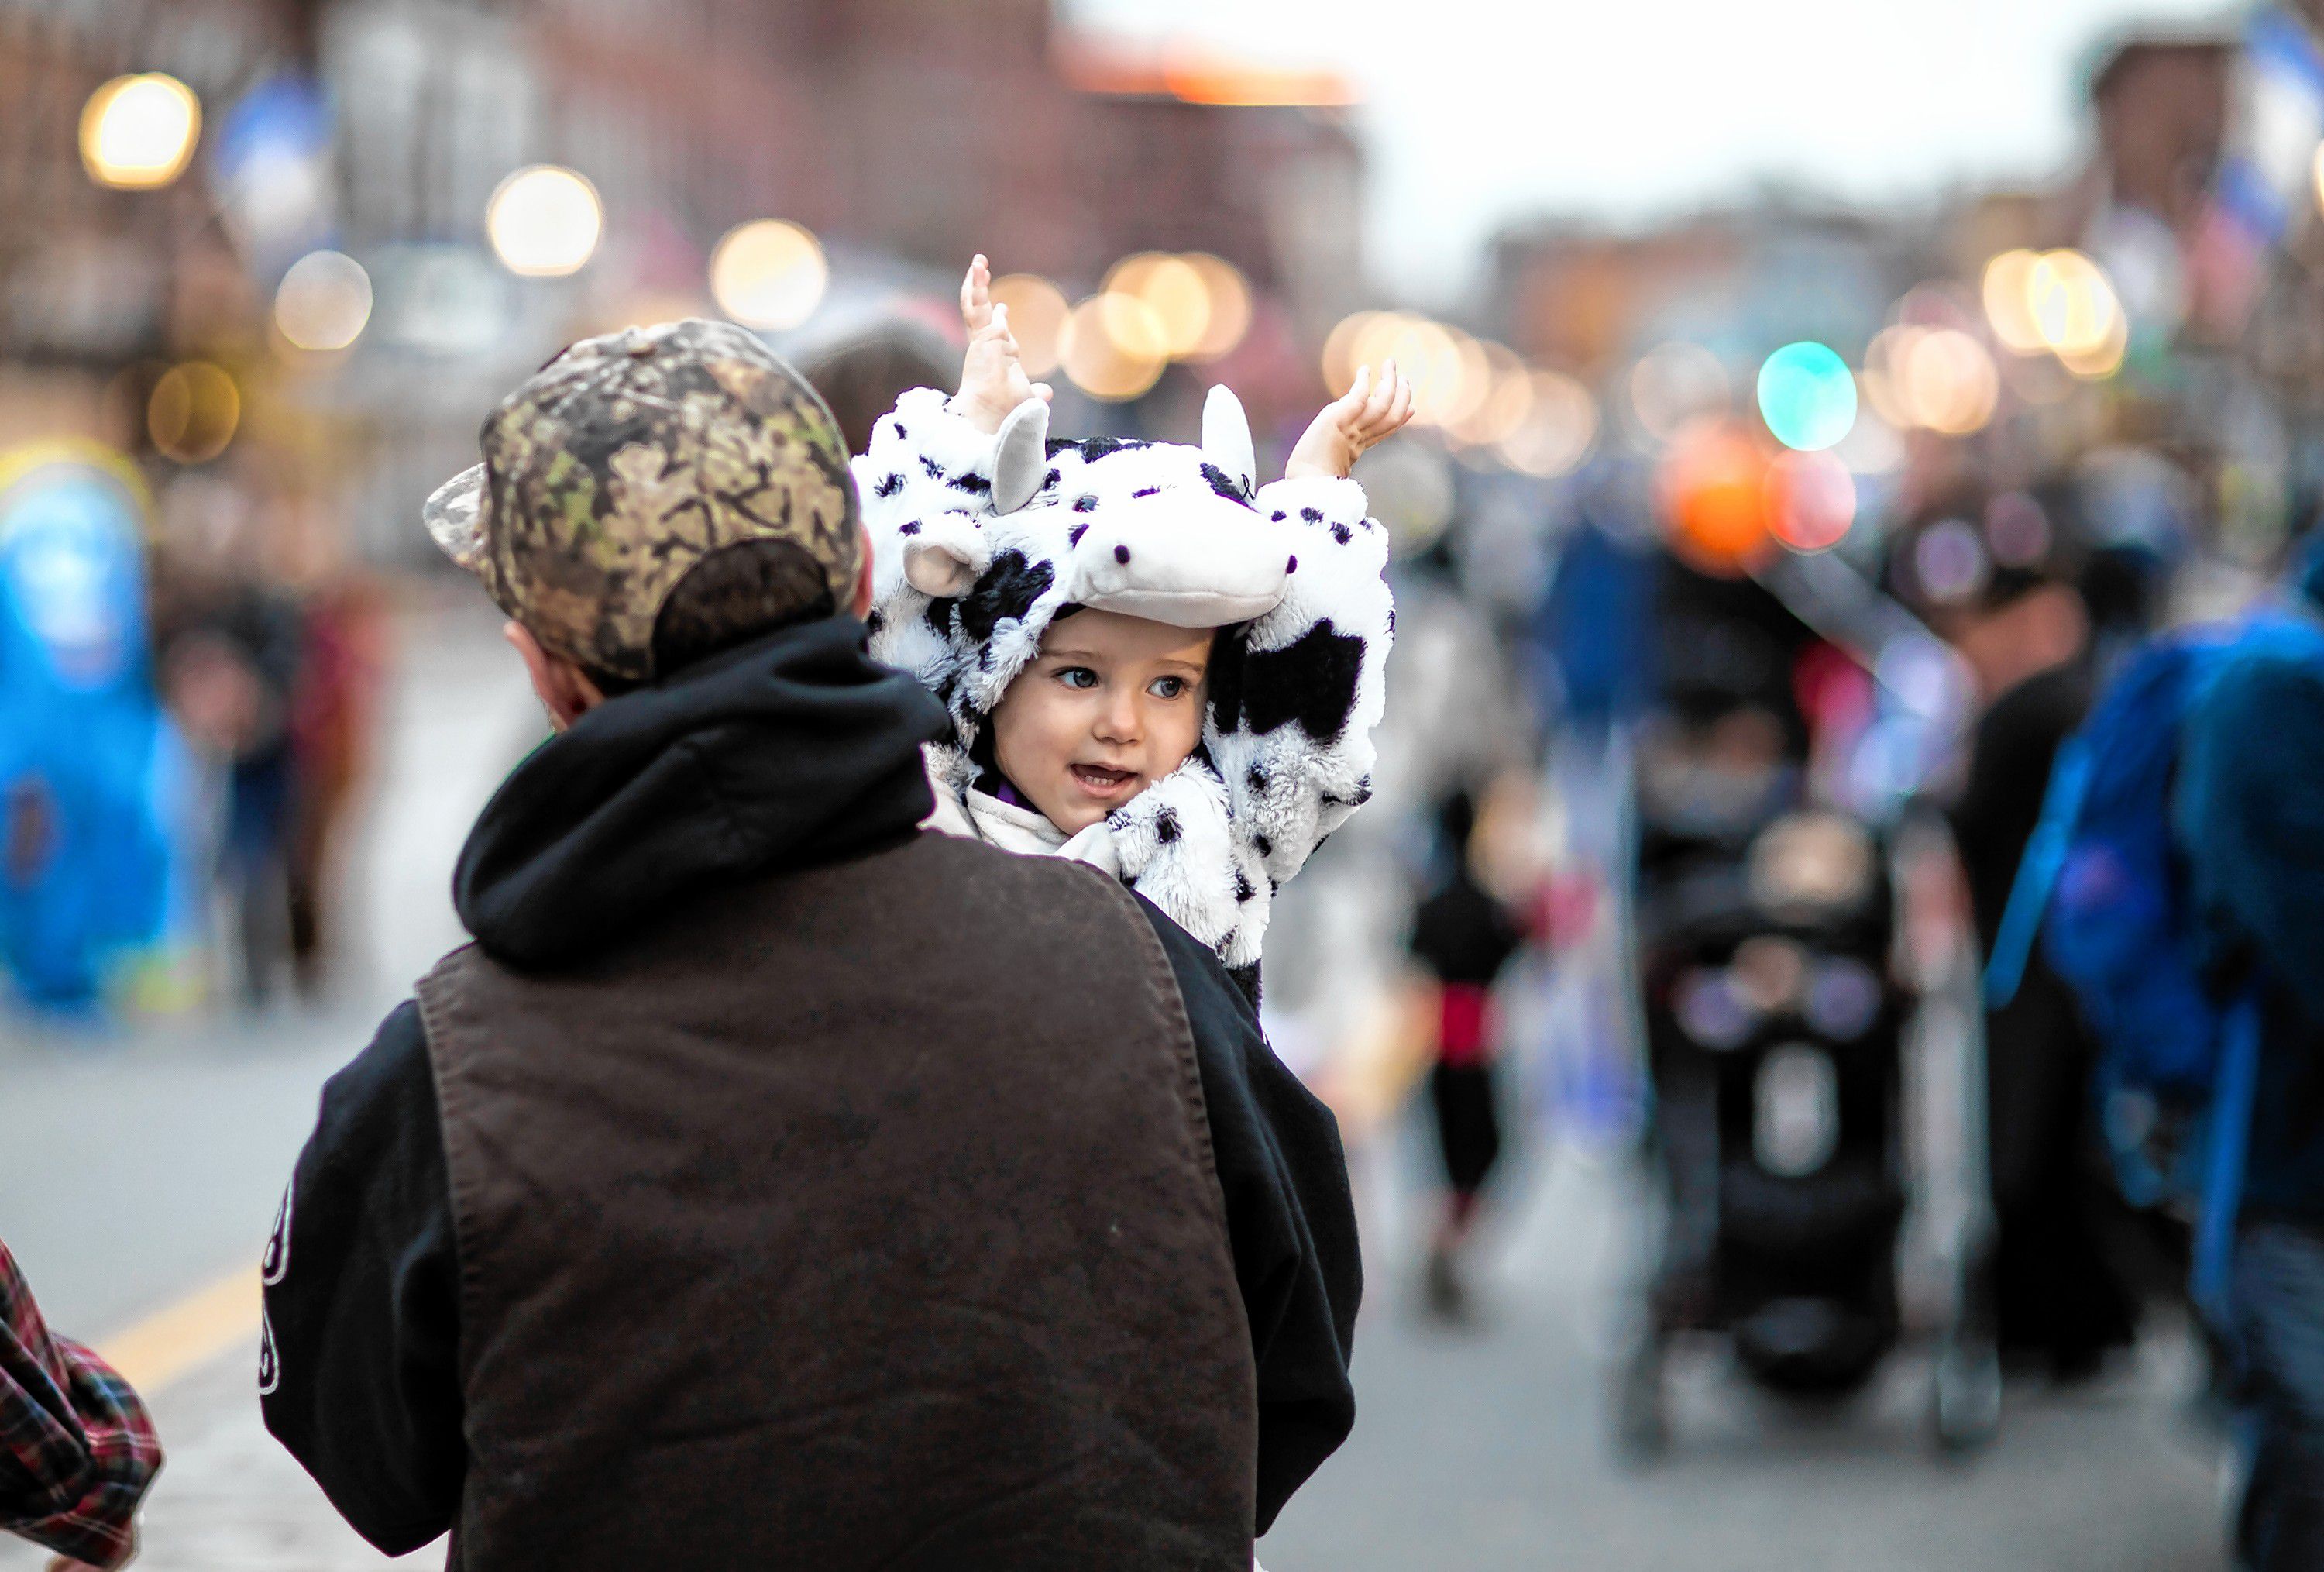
{"x":1394,"y":405}
{"x":1380,"y":418}
{"x":976,"y":294}
{"x":996,"y":329}
{"x":1402,"y":411}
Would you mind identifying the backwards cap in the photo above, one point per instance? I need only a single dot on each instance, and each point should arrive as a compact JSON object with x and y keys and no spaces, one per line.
{"x":615,"y":468}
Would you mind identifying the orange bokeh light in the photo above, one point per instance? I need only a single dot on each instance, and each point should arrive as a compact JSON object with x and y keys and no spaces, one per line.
{"x":1715,"y":498}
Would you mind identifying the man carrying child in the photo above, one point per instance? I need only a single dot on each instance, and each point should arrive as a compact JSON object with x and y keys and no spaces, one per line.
{"x":773,"y":1182}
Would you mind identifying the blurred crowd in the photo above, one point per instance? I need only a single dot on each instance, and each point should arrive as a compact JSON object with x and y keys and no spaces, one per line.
{"x":194,"y":688}
{"x":1744,"y":625}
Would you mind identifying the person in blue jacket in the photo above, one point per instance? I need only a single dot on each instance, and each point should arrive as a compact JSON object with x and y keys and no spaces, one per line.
{"x":2251,"y":818}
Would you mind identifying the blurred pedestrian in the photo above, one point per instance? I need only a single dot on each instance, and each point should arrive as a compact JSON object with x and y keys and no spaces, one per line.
{"x":331,"y":725}
{"x":77,"y":1450}
{"x":2251,"y":811}
{"x":230,"y":646}
{"x":773,"y":1182}
{"x":1996,"y":579}
{"x":1464,"y":937}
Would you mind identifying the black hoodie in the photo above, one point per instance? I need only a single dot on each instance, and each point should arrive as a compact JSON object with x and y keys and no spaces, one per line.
{"x":795,"y":751}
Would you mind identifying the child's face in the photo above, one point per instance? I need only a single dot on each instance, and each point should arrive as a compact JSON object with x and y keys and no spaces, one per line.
{"x":1110,"y":704}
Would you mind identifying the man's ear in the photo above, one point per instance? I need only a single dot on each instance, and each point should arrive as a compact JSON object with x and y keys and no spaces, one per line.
{"x":861,"y":604}
{"x":564,"y":690}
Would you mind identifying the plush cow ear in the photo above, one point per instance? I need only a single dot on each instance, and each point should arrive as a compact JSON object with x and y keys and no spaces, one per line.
{"x":937,"y":570}
{"x":1226,"y":437}
{"x":1021,"y":459}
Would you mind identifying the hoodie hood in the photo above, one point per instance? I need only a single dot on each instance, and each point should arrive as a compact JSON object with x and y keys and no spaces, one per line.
{"x":795,"y":750}
{"x":980,"y":542}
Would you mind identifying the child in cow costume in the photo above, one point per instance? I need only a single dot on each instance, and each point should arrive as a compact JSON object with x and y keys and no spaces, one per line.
{"x":1152,"y":663}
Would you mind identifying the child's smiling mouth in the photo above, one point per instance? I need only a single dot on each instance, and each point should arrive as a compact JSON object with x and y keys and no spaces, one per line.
{"x":1102,"y":781}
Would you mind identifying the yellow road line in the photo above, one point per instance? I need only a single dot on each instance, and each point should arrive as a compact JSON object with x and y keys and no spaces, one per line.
{"x":186,"y":1335}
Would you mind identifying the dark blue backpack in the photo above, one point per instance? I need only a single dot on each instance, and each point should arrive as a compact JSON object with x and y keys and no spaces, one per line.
{"x":2103,"y":884}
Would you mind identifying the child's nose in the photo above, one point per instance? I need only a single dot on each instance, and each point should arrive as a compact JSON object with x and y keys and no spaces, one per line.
{"x":1122,"y":720}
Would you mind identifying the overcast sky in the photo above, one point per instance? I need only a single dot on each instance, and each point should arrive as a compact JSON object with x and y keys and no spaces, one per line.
{"x":1480,"y":110}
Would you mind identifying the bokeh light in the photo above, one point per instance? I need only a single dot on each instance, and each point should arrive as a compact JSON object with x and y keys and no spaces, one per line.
{"x":2073,"y":305}
{"x":1202,"y":301}
{"x":1947,"y":383}
{"x":1114,"y":346}
{"x":139,"y":131}
{"x":1037,"y":317}
{"x":1555,"y":430}
{"x":1949,"y":562}
{"x":2103,"y":358}
{"x":2008,"y":297}
{"x":544,"y":221}
{"x":1177,"y":294}
{"x":1714,"y":493}
{"x":1508,"y":399}
{"x":1883,"y":378}
{"x":1439,"y":362}
{"x":193,"y":413}
{"x":323,"y":302}
{"x":1674,"y":384}
{"x":768,"y":273}
{"x":1231,"y":308}
{"x":1340,"y":349}
{"x":1807,"y":396}
{"x":1811,"y":500}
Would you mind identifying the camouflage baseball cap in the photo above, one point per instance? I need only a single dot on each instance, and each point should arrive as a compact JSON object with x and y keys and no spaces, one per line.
{"x":627,"y":459}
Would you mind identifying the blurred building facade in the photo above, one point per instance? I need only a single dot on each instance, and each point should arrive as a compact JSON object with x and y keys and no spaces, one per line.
{"x":904,"y":134}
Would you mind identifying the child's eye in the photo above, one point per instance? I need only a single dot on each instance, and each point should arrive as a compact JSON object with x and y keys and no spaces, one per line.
{"x":1080,"y":677}
{"x":1168,"y":687}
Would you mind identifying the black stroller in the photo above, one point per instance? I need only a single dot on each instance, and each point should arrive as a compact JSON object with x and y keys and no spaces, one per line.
{"x":1776,"y":1032}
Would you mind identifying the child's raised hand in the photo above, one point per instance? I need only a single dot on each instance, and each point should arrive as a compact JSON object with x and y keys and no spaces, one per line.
{"x":1371,"y":411}
{"x":992,"y":380}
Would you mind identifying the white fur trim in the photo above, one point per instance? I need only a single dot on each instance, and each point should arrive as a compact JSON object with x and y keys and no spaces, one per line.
{"x":1150,"y":530}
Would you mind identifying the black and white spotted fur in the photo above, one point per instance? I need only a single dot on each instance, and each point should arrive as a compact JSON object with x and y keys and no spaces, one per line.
{"x":978,"y":543}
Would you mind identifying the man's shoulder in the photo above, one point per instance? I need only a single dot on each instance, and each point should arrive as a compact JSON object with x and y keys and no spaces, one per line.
{"x":976,"y":872}
{"x":389,"y":1071}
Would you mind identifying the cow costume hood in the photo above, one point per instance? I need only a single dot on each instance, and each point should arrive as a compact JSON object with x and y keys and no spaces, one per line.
{"x":980,"y":542}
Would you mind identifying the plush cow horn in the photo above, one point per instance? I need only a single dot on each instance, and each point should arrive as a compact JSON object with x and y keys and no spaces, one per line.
{"x":937,"y":570}
{"x":1021,"y":460}
{"x":1226,"y":437}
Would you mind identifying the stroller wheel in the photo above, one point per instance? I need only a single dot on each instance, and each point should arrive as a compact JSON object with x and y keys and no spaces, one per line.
{"x":1965,"y":1395}
{"x":1642,"y":1432}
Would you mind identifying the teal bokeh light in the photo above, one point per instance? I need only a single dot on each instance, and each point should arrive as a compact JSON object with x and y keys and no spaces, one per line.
{"x":1807,"y":396}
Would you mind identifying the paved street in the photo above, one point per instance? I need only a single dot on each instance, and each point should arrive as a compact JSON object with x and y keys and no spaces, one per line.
{"x":133,"y":1174}
{"x":1478,"y":1450}
{"x":1485,"y":1451}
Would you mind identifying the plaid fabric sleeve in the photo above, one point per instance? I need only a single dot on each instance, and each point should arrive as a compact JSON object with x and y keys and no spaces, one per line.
{"x":77,"y":1449}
